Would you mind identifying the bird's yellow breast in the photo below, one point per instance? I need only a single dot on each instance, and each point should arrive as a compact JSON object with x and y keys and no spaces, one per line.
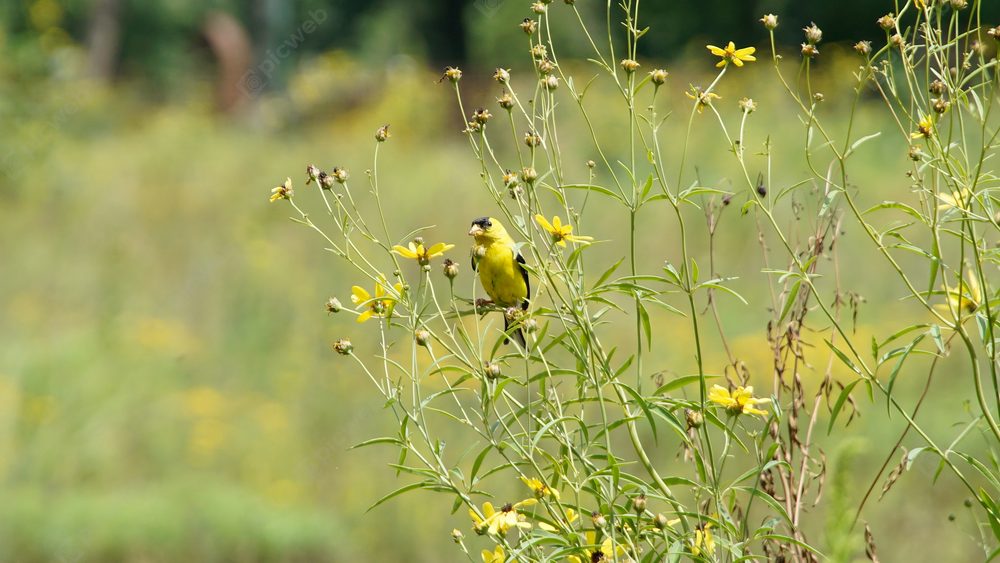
{"x":501,"y":276}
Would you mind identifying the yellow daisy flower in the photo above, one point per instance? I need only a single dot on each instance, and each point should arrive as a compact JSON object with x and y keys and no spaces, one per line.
{"x":732,"y":54}
{"x":284,"y":191}
{"x":965,"y":298}
{"x":603,"y":553}
{"x":741,"y":400}
{"x":954,"y":200}
{"x":571,"y":516}
{"x":560,"y":233}
{"x":423,"y":255}
{"x":704,"y":100}
{"x":496,"y":556}
{"x":378,"y":307}
{"x":925,"y":128}
{"x":703,"y":540}
{"x":541,"y":489}
{"x":500,"y":521}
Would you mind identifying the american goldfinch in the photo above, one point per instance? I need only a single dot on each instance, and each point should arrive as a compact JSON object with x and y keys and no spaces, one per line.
{"x":499,"y":267}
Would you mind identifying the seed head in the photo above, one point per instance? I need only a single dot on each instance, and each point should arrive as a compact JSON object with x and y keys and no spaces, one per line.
{"x":325,"y":180}
{"x":938,"y":87}
{"x":501,"y":75}
{"x":481,"y":116}
{"x":639,"y":503}
{"x":340,"y":174}
{"x":383,"y":133}
{"x":727,"y":198}
{"x":528,"y":25}
{"x":343,"y":346}
{"x":453,"y":74}
{"x":915,"y":154}
{"x":546,"y":66}
{"x":530,"y":325}
{"x":940,"y":105}
{"x":762,"y":188}
{"x":897,"y":40}
{"x":506,"y":101}
{"x":529,"y":175}
{"x":661,"y":521}
{"x":629,"y":65}
{"x":423,"y":337}
{"x":864,"y":48}
{"x":333,"y":306}
{"x":598,"y":520}
{"x":312,"y":172}
{"x":491,"y":369}
{"x":478,"y":251}
{"x":450,"y":269}
{"x":770,"y":21}
{"x":532,"y":139}
{"x":539,"y":51}
{"x":813,"y":34}
{"x":658,"y":76}
{"x":694,"y":418}
{"x":887,"y":21}
{"x":748,"y":105}
{"x":538,"y":8}
{"x":550,"y":82}
{"x":809,"y":50}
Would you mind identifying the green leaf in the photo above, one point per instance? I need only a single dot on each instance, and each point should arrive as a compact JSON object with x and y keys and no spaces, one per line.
{"x":843,"y":357}
{"x":478,"y":463}
{"x":607,"y":274}
{"x":840,"y":403}
{"x":398,"y":492}
{"x":395,"y":441}
{"x":642,"y":404}
{"x":895,"y":370}
{"x":598,"y":189}
{"x":681,"y":382}
{"x":935,"y":332}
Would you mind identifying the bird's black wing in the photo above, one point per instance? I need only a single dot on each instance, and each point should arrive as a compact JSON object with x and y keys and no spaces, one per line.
{"x":527,"y":284}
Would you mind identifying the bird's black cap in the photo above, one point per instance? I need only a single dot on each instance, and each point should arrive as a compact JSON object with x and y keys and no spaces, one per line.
{"x":483,"y":222}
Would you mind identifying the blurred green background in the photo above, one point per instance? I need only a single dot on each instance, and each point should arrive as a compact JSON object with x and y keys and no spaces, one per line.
{"x":168,"y":391}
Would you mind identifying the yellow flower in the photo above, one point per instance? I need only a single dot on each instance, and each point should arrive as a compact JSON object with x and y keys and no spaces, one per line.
{"x":741,"y":401}
{"x":571,"y":516}
{"x":967,"y":297}
{"x":421,"y":254}
{"x":284,"y":191}
{"x":560,"y":233}
{"x":703,"y":540}
{"x":703,"y":99}
{"x":540,"y":489}
{"x":925,"y":128}
{"x":732,"y":54}
{"x":958,"y":200}
{"x":502,"y":520}
{"x":602,"y":553}
{"x":378,"y":307}
{"x":497,"y":556}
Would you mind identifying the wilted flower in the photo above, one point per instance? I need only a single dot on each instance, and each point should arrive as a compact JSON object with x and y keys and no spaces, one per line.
{"x":333,"y":306}
{"x":492,"y":370}
{"x":639,"y":503}
{"x":887,"y":21}
{"x":312,"y":172}
{"x":457,"y":535}
{"x":284,"y":191}
{"x":481,"y":116}
{"x":452,"y":73}
{"x":897,"y":40}
{"x":658,"y":76}
{"x":598,"y":520}
{"x":340,"y":174}
{"x":809,"y":50}
{"x":546,"y":66}
{"x":703,"y":99}
{"x":741,"y":401}
{"x":509,"y":179}
{"x":959,"y":4}
{"x":506,"y":101}
{"x":528,"y":174}
{"x":770,"y":21}
{"x":501,"y":75}
{"x":994,"y":33}
{"x":528,"y":25}
{"x":550,"y":82}
{"x":539,"y":51}
{"x":693,"y":418}
{"x":938,"y":87}
{"x":940,"y":105}
{"x":748,"y":105}
{"x":731,"y":54}
{"x":813,"y":34}
{"x":532,"y":139}
{"x":343,"y":346}
{"x":383,"y":133}
{"x":864,"y":48}
{"x":450,"y":269}
{"x":629,"y":65}
{"x":538,"y":8}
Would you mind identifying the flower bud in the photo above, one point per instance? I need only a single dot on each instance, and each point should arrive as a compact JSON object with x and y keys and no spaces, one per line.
{"x":658,"y":76}
{"x":629,"y":65}
{"x":538,"y":8}
{"x":481,"y":116}
{"x":550,"y":82}
{"x":383,"y":133}
{"x":887,"y":21}
{"x":457,"y":535}
{"x":770,"y":21}
{"x":530,"y":325}
{"x":546,"y":66}
{"x":639,"y":503}
{"x":528,"y":25}
{"x":341,"y":174}
{"x":959,"y":4}
{"x":491,"y":369}
{"x":598,"y":520}
{"x":968,"y":503}
{"x":502,"y":76}
{"x":591,"y":164}
{"x":529,"y":175}
{"x":748,"y":105}
{"x":809,"y":51}
{"x":343,"y":346}
{"x":569,"y":2}
{"x":326,"y":181}
{"x":661,"y":521}
{"x":864,"y":48}
{"x":694,"y":418}
{"x":450,"y":269}
{"x":506,"y":101}
{"x":897,"y":40}
{"x":539,"y":51}
{"x":938,"y":87}
{"x":509,"y":179}
{"x":478,"y":251}
{"x":453,"y":74}
{"x":818,"y":96}
{"x":333,"y":306}
{"x":940,"y":105}
{"x":532,"y":139}
{"x":813,"y":34}
{"x":312,"y":172}
{"x":423,"y":337}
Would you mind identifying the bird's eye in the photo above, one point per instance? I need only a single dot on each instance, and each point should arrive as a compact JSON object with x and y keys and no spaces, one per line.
{"x":489,"y":224}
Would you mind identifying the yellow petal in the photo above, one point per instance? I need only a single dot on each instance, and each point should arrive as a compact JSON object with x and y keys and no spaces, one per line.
{"x":404,"y":252}
{"x":438,"y":249}
{"x":475,"y":517}
{"x":571,"y":515}
{"x":488,"y":509}
{"x":547,"y":528}
{"x":562,"y":243}
{"x":487,"y":556}
{"x":737,"y":61}
{"x":543,"y":223}
{"x":557,"y":223}
{"x":527,"y":502}
{"x":365,"y":316}
{"x":359,"y":295}
{"x":720,"y":63}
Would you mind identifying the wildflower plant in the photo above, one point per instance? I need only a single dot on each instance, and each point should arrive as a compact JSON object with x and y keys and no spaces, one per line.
{"x":572,"y":420}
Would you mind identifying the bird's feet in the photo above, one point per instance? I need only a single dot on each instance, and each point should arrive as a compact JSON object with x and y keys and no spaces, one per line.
{"x":480,"y":303}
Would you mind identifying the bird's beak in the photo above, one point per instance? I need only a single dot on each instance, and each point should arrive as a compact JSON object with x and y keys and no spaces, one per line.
{"x":476,"y":231}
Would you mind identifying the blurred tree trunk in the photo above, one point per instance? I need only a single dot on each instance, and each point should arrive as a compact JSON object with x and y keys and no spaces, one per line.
{"x":231,"y":46}
{"x":103,"y":39}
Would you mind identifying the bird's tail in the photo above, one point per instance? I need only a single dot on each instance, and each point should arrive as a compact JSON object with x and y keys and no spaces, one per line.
{"x":517,"y":335}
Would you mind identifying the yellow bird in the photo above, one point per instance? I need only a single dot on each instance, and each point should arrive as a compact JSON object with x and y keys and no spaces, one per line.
{"x":500,"y":271}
